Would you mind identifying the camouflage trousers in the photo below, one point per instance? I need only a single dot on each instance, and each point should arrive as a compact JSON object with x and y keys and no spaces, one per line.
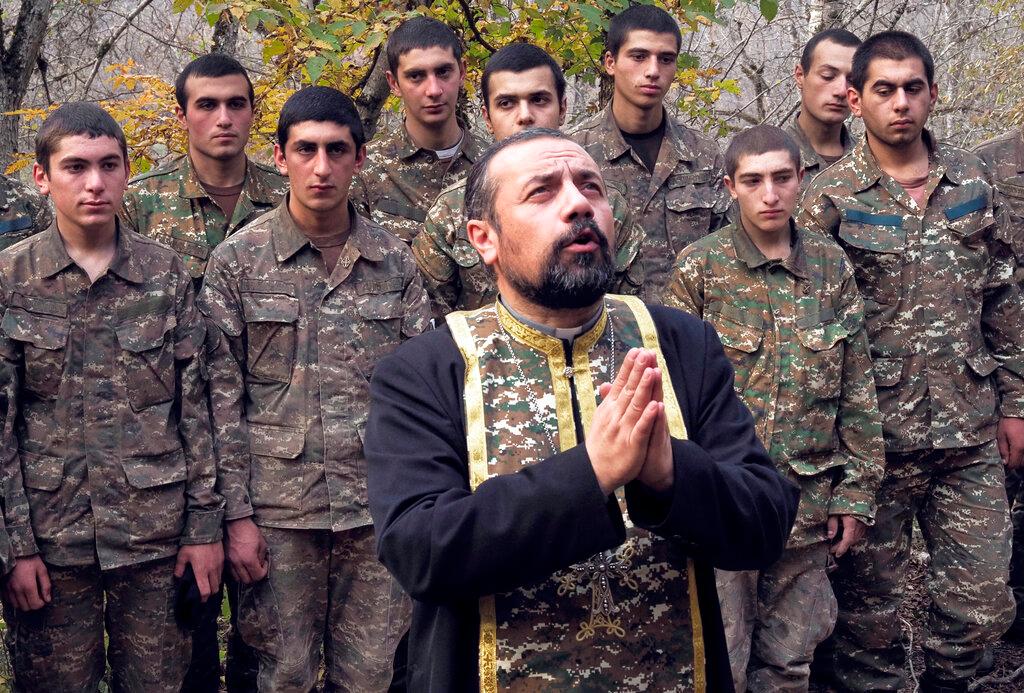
{"x":324,"y":591}
{"x":959,"y":500}
{"x":60,"y":647}
{"x":1015,"y":495}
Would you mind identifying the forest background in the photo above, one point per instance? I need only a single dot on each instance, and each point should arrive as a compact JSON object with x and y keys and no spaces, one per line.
{"x":736,"y":70}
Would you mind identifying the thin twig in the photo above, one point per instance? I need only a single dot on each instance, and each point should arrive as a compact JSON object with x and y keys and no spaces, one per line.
{"x":910,"y":653}
{"x":109,"y":43}
{"x":993,"y":679}
{"x":471,"y":21}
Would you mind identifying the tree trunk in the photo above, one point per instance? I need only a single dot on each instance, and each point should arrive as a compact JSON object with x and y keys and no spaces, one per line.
{"x":824,"y":15}
{"x":225,"y":34}
{"x":17,"y":60}
{"x":375,"y":92}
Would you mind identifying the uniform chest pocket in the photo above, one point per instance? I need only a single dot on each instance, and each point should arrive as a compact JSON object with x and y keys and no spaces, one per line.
{"x":819,"y":369}
{"x":875,"y":244}
{"x":271,"y":333}
{"x":741,"y":333}
{"x":970,"y":220}
{"x":148,"y":351}
{"x":44,"y":341}
{"x":689,"y":201}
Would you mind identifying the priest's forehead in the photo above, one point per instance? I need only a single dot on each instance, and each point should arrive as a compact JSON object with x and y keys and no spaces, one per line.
{"x":542,"y":157}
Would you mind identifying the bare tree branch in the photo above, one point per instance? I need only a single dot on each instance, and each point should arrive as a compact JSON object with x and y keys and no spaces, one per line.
{"x":471,"y":17}
{"x":109,"y":43}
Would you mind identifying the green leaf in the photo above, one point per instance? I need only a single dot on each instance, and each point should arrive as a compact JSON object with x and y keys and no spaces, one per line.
{"x":592,"y":15}
{"x":273,"y":48}
{"x":358,"y":28}
{"x":179,"y":6}
{"x":500,"y":10}
{"x":769,"y":8}
{"x":688,"y":61}
{"x":315,"y":67}
{"x":374,"y":40}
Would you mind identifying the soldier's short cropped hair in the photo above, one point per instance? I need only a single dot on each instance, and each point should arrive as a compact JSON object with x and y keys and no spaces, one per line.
{"x":322,"y":105}
{"x":889,"y":45}
{"x":520,"y":57}
{"x":420,"y":32}
{"x":640,"y":18}
{"x":76,"y":118}
{"x":756,"y":140}
{"x":210,"y":65}
{"x":841,"y":37}
{"x":480,"y":187}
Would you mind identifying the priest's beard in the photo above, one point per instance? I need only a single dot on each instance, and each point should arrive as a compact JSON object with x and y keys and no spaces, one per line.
{"x":578,"y":283}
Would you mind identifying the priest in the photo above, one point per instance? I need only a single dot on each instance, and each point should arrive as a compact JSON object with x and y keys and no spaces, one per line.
{"x":554,"y":476}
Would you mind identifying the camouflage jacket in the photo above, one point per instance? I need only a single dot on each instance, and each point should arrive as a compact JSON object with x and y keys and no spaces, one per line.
{"x":1005,"y":158}
{"x":456,"y":278}
{"x":945,"y":318}
{"x":23,"y":211}
{"x":811,"y":160}
{"x":170,"y":205}
{"x":682,"y":201}
{"x":107,"y":449}
{"x":400,"y":181}
{"x":794,"y":331}
{"x":292,"y":354}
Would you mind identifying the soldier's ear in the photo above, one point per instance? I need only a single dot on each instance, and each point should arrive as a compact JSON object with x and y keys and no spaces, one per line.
{"x":730,"y":186}
{"x":609,"y":63}
{"x":563,"y":108}
{"x":798,"y":74}
{"x":484,"y":238}
{"x":41,"y":178}
{"x":853,"y":97}
{"x":360,"y":159}
{"x":180,"y":115}
{"x":393,"y":83}
{"x":279,"y":160}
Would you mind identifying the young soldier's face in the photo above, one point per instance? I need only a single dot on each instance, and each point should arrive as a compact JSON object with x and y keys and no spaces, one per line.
{"x":319,"y":159}
{"x":521,"y":100}
{"x":218,"y":115}
{"x":767,"y":188}
{"x":428,"y":82}
{"x":552,"y":243}
{"x":86,"y":181}
{"x":644,"y":68}
{"x":823,"y":88}
{"x":896,"y":100}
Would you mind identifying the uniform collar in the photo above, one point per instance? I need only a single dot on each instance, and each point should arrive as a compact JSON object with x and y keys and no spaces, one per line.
{"x":404,"y":148}
{"x":254,"y":187}
{"x":868,"y":173}
{"x":746,"y":251}
{"x":288,"y":239}
{"x":809,"y":155}
{"x":53,"y":256}
{"x":617,"y":144}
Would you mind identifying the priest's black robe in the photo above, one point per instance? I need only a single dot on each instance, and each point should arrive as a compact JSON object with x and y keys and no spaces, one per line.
{"x":448,"y":546}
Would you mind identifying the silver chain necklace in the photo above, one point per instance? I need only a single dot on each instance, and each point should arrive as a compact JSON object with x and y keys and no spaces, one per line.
{"x":531,"y":402}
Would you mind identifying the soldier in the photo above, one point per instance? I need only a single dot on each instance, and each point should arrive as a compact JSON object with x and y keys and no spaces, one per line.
{"x":23,"y":211}
{"x":819,"y":127}
{"x":1005,"y":158}
{"x":946,"y":326}
{"x":406,"y":170}
{"x":785,"y":305}
{"x":522,"y":87}
{"x":108,"y":455}
{"x":300,"y":306}
{"x":673,"y":175}
{"x":196,"y":201}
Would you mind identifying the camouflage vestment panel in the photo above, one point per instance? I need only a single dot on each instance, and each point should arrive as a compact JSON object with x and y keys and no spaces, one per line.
{"x":681,"y":201}
{"x":1005,"y":158}
{"x":812,"y":162}
{"x":293,"y":350}
{"x":945,"y":318}
{"x":621,"y":616}
{"x":457,"y":279}
{"x":107,"y":451}
{"x":794,"y":331}
{"x":400,"y":181}
{"x":171,"y":205}
{"x":23,"y":211}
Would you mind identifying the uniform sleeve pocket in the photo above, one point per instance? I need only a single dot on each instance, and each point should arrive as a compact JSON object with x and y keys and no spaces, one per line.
{"x":465,"y":254}
{"x":887,"y":371}
{"x":155,"y":470}
{"x":41,"y":472}
{"x":276,"y":441}
{"x":823,"y":336}
{"x":982,"y":363}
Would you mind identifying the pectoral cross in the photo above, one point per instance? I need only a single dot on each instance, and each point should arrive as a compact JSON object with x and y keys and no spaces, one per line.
{"x":601,"y":569}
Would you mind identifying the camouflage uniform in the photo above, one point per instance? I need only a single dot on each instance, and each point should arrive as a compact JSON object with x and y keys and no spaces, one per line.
{"x":292,"y":353}
{"x":400,"y":181}
{"x":171,"y":205}
{"x":23,"y":211}
{"x":683,"y":200}
{"x":1005,"y":158}
{"x":946,"y":325}
{"x":813,"y":163}
{"x":456,"y":278}
{"x":107,"y":457}
{"x":794,"y":331}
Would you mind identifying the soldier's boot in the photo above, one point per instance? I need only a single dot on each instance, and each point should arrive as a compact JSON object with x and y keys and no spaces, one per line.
{"x":932,"y":684}
{"x":1015,"y":495}
{"x":204,"y":668}
{"x":242,"y":662}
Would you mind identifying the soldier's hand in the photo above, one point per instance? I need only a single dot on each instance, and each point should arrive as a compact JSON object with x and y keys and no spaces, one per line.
{"x":658,"y":472}
{"x":853,"y":533}
{"x":28,"y":586}
{"x":207,"y":563}
{"x":621,"y":429}
{"x":1010,"y":438}
{"x":247,"y":551}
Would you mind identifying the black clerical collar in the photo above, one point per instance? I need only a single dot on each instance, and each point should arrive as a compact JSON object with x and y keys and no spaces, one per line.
{"x":568,"y":334}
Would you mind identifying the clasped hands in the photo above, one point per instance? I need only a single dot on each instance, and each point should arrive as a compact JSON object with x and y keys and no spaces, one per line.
{"x":628,"y":438}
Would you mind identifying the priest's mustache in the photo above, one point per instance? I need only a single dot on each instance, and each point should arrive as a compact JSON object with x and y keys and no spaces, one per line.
{"x":579,"y":226}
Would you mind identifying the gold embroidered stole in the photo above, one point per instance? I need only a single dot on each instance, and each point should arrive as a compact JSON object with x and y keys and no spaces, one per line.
{"x":518,"y":403}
